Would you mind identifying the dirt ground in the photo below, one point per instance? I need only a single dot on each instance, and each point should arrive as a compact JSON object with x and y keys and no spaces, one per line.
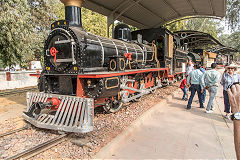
{"x":12,"y":106}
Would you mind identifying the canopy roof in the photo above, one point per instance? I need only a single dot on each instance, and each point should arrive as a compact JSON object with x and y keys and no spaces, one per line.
{"x":223,"y":50}
{"x":145,"y":14}
{"x":196,"y":39}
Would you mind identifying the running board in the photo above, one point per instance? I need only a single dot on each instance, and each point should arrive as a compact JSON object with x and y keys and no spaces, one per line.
{"x":74,"y":114}
{"x":146,"y":91}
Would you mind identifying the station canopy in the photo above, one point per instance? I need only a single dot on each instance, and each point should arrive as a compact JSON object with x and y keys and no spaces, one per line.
{"x":145,"y":14}
{"x":196,"y":39}
{"x":223,"y":50}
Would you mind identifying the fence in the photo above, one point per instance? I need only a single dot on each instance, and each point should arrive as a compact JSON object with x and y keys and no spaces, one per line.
{"x":17,"y":79}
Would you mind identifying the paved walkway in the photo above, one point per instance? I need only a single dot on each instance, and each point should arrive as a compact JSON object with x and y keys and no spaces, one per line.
{"x":174,"y":132}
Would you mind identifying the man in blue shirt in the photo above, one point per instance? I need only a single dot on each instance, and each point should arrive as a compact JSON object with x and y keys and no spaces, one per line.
{"x":211,"y":77}
{"x":194,"y":79}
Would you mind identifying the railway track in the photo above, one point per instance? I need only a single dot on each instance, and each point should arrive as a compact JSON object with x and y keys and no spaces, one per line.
{"x":39,"y":148}
{"x":16,"y":91}
{"x":13,"y":131}
{"x":36,"y":149}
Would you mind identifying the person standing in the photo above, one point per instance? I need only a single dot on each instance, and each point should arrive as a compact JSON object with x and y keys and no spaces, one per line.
{"x":190,"y":67}
{"x":212,"y":77}
{"x":228,"y":78}
{"x":204,"y":92}
{"x":194,"y":79}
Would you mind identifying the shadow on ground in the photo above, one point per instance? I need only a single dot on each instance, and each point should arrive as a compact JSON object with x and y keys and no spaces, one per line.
{"x":195,"y":110}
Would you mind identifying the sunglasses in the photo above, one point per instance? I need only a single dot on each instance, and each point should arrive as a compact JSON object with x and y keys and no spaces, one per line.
{"x":231,"y":68}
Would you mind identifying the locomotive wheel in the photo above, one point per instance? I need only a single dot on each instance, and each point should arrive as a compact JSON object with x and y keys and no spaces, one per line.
{"x":112,"y":106}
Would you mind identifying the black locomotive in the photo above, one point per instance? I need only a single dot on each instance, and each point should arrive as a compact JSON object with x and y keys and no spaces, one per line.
{"x":83,"y":71}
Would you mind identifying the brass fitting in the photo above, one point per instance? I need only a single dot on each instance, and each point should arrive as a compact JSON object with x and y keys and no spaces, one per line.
{"x":77,"y":3}
{"x":89,"y":82}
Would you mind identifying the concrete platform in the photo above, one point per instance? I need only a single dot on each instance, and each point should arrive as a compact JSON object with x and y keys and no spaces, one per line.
{"x":170,"y":131}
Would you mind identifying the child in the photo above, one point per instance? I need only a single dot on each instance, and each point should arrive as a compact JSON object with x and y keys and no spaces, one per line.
{"x":183,"y":86}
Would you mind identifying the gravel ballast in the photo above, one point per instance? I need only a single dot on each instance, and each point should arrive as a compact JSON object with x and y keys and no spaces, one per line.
{"x":81,"y":146}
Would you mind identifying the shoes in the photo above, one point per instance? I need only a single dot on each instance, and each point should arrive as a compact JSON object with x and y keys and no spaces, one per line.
{"x":226,"y":117}
{"x":210,"y":111}
{"x":188,"y":108}
{"x":212,"y":108}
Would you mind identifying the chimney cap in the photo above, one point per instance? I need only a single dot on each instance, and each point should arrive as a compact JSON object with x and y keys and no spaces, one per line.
{"x":77,"y":3}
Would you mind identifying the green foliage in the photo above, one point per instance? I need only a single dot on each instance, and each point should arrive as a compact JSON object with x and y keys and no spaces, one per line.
{"x":232,"y":40}
{"x":23,"y":26}
{"x":177,"y":26}
{"x":132,"y":28}
{"x":233,"y":14}
{"x":205,"y":25}
{"x":15,"y":31}
{"x":94,"y":22}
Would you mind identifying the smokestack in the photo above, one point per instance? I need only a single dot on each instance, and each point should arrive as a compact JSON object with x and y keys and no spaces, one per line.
{"x":73,"y":12}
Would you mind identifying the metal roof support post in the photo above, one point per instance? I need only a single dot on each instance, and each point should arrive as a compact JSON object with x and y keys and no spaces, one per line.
{"x":110,"y":21}
{"x":108,"y":24}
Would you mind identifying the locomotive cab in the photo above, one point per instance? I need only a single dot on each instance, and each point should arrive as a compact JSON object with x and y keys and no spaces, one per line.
{"x":122,"y":32}
{"x":169,"y":54}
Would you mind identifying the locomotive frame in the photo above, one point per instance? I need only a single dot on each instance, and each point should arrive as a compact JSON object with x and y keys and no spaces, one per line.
{"x":83,"y":71}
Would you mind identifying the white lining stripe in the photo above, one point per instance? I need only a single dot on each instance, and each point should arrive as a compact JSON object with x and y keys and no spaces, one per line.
{"x":102,"y":49}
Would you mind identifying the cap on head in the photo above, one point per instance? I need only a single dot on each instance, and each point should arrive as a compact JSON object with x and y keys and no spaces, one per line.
{"x":232,"y":66}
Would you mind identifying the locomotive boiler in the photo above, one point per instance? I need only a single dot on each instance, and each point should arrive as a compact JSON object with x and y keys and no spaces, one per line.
{"x":83,"y":71}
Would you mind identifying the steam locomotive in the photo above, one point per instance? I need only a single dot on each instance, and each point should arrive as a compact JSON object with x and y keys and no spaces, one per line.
{"x":83,"y":71}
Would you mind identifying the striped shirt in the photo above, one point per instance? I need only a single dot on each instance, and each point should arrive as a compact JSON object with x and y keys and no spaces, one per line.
{"x":228,"y":80}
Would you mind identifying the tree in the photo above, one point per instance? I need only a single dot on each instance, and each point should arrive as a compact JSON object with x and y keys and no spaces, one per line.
{"x":94,"y":23}
{"x":177,"y":26}
{"x":233,"y":14}
{"x":24,"y":25}
{"x":16,"y":32}
{"x":205,"y":25}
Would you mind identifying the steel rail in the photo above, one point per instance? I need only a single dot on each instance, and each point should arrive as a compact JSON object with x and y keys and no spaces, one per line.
{"x":13,"y":131}
{"x":4,"y":93}
{"x":39,"y":148}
